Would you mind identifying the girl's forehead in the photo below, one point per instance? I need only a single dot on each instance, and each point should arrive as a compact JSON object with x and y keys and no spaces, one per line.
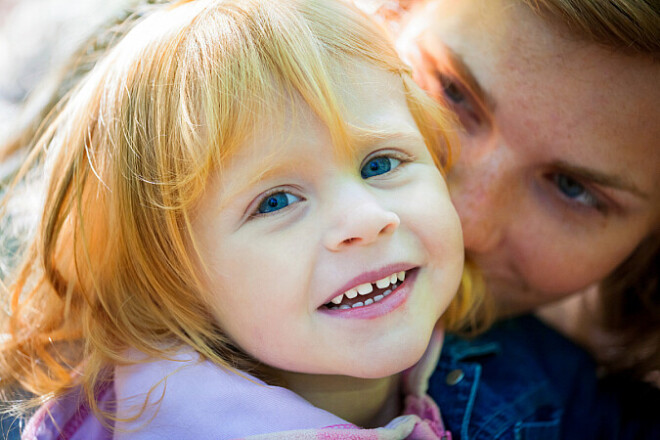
{"x":298,"y":131}
{"x":292,"y":140}
{"x":363,"y":104}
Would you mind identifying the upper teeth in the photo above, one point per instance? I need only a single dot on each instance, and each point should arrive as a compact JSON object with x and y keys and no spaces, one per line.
{"x":366,"y":288}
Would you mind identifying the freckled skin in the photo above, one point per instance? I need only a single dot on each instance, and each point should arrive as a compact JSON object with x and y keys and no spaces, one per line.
{"x":557,"y":101}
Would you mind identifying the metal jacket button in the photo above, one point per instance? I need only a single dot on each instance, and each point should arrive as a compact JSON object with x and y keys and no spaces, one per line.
{"x":454,"y":377}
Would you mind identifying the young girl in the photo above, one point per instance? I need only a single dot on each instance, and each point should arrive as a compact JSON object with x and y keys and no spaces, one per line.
{"x":246,"y":232}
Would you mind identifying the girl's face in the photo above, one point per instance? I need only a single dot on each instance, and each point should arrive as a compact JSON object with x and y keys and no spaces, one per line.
{"x":296,"y":238}
{"x":559,"y":175}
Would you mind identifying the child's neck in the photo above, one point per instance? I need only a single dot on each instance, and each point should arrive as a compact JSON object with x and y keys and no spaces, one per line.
{"x":367,"y":403}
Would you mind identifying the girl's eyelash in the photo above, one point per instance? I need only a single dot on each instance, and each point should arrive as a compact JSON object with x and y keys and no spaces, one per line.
{"x":255,"y":206}
{"x":399,"y":156}
{"x":394,"y":154}
{"x":289,"y":196}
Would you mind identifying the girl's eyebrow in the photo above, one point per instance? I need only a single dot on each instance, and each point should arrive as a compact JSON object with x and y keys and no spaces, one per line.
{"x":365,"y":138}
{"x":603,"y":179}
{"x":362,"y":139}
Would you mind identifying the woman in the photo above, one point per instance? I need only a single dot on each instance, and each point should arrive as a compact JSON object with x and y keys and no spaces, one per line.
{"x":558,"y":188}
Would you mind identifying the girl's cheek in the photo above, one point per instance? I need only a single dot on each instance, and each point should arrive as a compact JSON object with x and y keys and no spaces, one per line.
{"x":433,"y":218}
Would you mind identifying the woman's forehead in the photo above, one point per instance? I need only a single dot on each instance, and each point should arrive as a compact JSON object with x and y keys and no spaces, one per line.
{"x":556,"y":98}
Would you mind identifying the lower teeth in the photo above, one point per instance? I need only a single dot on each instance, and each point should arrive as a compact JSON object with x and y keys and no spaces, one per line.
{"x":367,"y":302}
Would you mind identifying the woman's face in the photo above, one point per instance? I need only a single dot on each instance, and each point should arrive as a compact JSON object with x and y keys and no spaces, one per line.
{"x":559,"y":175}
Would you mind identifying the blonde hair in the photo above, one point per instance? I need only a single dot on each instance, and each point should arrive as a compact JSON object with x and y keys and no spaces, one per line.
{"x":129,"y":154}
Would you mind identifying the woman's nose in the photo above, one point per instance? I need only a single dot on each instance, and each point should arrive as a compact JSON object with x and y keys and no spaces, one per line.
{"x":483,"y":230}
{"x":358,"y":221}
{"x":485,"y":200}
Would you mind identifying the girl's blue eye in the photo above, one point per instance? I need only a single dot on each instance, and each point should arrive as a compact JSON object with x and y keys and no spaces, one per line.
{"x":275,"y":202}
{"x":379,"y":165}
{"x":574,"y":190}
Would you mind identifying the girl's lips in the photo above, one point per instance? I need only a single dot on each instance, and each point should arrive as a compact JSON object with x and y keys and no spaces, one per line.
{"x":371,"y":277}
{"x":374,"y":310}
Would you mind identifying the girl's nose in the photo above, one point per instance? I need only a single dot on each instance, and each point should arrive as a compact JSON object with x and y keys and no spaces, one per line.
{"x":359,"y":221}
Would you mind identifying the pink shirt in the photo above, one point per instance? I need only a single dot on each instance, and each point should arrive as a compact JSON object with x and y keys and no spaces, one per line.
{"x":196,"y":399}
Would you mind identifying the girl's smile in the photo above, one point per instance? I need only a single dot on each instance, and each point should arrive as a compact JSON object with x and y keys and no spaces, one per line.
{"x":373,"y":299}
{"x":296,"y":233}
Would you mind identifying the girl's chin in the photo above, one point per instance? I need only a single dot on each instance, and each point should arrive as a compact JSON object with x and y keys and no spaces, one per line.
{"x":379,"y":367}
{"x":388,"y":357}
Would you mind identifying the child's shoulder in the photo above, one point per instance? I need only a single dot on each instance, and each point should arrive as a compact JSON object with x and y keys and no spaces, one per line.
{"x":69,"y":417}
{"x":189,"y":395}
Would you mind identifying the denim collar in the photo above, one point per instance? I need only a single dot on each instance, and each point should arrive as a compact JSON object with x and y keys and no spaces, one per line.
{"x":480,"y":404}
{"x":457,"y":349}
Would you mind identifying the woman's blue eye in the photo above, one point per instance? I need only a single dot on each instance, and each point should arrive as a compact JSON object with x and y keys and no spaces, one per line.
{"x":275,"y":202}
{"x":451,"y":90}
{"x":569,"y":187}
{"x":574,"y":190}
{"x":379,"y":165}
{"x":462,"y":102}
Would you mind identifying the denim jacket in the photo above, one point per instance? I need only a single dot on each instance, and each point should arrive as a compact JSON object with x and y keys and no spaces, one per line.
{"x":522,"y":380}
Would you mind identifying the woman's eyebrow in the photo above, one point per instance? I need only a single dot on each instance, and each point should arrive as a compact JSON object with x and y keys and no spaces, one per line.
{"x":603,"y":179}
{"x":459,"y":67}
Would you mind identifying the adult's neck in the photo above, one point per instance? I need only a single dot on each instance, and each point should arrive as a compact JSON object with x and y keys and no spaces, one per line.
{"x":367,"y":403}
